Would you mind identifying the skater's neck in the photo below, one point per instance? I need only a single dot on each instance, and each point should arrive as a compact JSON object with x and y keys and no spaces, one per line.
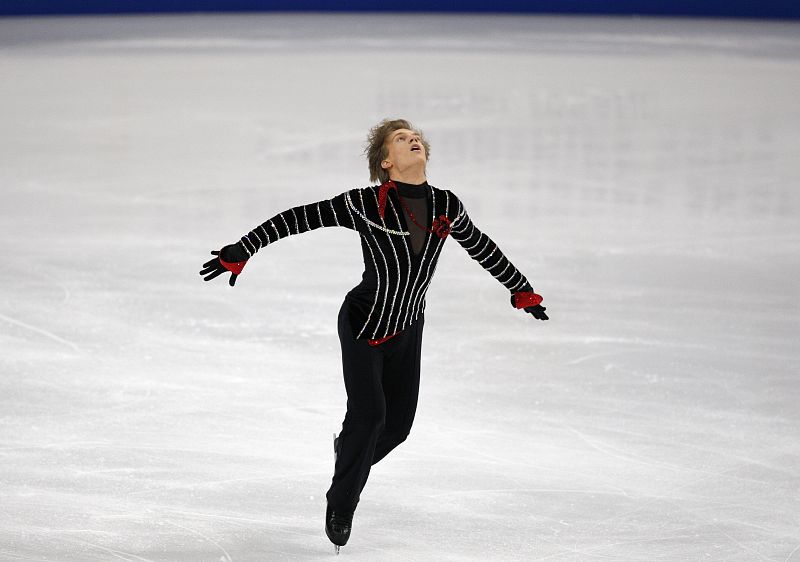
{"x":413,"y":175}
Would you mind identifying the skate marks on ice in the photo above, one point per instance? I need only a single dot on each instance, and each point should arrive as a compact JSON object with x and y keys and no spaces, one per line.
{"x":41,"y":331}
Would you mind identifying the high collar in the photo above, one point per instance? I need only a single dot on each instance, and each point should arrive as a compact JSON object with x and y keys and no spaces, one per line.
{"x":412,"y":191}
{"x":419,"y":191}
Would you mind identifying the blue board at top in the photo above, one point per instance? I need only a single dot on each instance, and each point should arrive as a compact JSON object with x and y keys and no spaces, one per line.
{"x":774,"y":9}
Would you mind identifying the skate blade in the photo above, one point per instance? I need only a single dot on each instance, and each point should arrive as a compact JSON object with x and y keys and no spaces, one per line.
{"x":336,"y":548}
{"x":335,"y":456}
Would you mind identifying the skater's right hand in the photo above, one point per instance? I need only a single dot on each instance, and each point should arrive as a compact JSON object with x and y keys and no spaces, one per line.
{"x":233,"y":259}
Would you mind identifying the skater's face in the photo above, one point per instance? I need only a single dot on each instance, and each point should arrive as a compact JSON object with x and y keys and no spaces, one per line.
{"x":405,"y":152}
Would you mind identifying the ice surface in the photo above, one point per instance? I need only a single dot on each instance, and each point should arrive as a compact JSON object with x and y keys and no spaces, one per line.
{"x":642,"y":173}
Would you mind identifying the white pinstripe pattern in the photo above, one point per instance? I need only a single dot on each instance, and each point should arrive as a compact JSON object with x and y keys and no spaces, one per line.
{"x":456,"y":232}
{"x":457,"y":221}
{"x":397,"y":263}
{"x":386,"y":288}
{"x":471,"y":232}
{"x":377,"y":290}
{"x":479,"y":252}
{"x":498,"y":262}
{"x":428,"y":278}
{"x":246,"y":249}
{"x":335,"y":218}
{"x":521,"y":283}
{"x":258,"y":237}
{"x":424,"y":286}
{"x":413,"y":304}
{"x":463,"y":239}
{"x":385,"y":267}
{"x":516,"y":272}
{"x":346,"y":206}
{"x":476,"y":243}
{"x":421,"y":261}
{"x":374,"y":224}
{"x":490,"y":255}
{"x":502,"y":272}
{"x":392,"y":310}
{"x":406,"y":245}
{"x":435,"y":262}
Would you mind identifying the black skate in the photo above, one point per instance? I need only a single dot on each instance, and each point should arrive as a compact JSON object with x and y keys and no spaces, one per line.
{"x":337,"y":523}
{"x":337,"y":526}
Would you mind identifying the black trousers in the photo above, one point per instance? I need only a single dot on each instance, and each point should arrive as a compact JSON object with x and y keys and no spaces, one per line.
{"x":382,"y":384}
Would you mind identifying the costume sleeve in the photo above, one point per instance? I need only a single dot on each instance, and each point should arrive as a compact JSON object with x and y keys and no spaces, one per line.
{"x":483,"y":250}
{"x":328,"y":212}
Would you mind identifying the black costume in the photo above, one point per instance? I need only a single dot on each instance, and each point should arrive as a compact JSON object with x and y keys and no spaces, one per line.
{"x":391,"y":294}
{"x":381,"y":320}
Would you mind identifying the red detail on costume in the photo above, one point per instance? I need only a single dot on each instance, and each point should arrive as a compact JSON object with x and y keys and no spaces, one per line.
{"x":234,"y":267}
{"x":441,"y":226}
{"x":383,"y":194}
{"x":523,"y":300}
{"x":381,"y":340}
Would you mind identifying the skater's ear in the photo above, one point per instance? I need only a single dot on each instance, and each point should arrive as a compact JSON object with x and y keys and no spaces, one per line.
{"x":386,"y":164}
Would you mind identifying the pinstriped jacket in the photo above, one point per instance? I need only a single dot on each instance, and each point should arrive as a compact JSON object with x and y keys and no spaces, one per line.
{"x":391,"y":295}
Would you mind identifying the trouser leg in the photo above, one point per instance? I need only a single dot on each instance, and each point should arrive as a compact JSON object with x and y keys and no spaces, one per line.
{"x":362,"y":366}
{"x":382,"y":385}
{"x":401,"y":369}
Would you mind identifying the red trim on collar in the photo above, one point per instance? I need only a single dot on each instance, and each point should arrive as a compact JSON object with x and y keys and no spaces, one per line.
{"x":383,"y":194}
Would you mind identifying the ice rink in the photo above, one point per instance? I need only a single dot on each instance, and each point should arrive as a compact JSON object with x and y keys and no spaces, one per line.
{"x":642,"y":173}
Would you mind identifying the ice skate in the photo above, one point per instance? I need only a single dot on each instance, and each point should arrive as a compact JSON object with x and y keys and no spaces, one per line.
{"x":337,"y":526}
{"x":335,"y":448}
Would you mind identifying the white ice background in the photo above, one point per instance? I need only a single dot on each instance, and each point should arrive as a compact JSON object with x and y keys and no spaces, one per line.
{"x":642,"y":173}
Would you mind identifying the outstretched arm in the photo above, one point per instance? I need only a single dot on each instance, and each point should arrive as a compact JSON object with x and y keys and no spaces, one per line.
{"x":482,"y":249}
{"x":328,"y":212}
{"x":233,"y":257}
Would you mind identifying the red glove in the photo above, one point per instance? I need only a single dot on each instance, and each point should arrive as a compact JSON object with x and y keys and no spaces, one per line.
{"x":525,"y":299}
{"x":234,"y":267}
{"x":218,"y":266}
{"x":530,"y":302}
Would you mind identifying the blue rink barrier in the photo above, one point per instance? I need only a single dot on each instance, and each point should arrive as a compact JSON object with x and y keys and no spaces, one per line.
{"x":774,"y":9}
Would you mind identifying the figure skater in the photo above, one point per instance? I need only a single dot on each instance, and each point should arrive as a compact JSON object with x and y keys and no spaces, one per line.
{"x":402,"y":224}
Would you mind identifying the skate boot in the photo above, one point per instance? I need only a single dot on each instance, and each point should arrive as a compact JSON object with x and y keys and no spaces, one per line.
{"x":337,"y":526}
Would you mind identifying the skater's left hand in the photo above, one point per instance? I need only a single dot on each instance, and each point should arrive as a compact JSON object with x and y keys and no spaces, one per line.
{"x":526,"y":295}
{"x":537,"y":311}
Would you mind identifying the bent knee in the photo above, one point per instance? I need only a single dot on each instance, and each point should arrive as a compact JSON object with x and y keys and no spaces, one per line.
{"x":370,"y":423}
{"x":398,"y":434}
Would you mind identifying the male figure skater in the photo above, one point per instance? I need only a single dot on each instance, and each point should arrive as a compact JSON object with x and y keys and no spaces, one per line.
{"x":402,"y":224}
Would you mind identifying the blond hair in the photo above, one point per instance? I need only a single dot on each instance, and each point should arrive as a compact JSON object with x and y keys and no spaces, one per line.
{"x":376,"y":150}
